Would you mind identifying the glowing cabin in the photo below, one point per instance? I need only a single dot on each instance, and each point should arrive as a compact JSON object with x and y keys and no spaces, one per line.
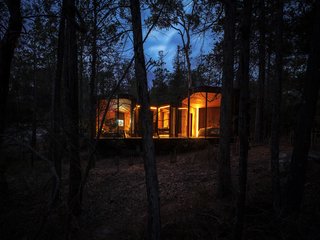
{"x":204,"y":113}
{"x":122,"y":119}
{"x":117,"y":119}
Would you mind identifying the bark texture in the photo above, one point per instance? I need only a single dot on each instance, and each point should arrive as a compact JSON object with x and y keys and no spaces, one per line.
{"x":93,"y":71}
{"x":275,"y":104}
{"x":93,"y":76}
{"x":56,"y":121}
{"x":258,"y":135}
{"x":152,"y":184}
{"x":297,"y":175}
{"x":71,"y":107}
{"x":243,"y":117}
{"x":7,"y":46}
{"x":224,"y":185}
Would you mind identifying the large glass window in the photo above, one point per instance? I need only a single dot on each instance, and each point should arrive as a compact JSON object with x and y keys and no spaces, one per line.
{"x":204,"y":115}
{"x":164,"y":121}
{"x":117,"y":120}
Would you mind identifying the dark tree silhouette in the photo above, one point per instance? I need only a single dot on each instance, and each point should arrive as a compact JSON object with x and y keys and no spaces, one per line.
{"x":275,"y":103}
{"x":152,"y":184}
{"x":224,"y":176}
{"x":259,"y":120}
{"x":93,"y":75}
{"x":71,"y":105}
{"x":7,"y":46}
{"x":305,"y":120}
{"x":243,"y":116}
{"x":56,"y":121}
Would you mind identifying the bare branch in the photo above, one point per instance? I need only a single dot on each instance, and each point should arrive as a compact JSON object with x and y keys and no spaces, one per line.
{"x":40,"y":15}
{"x":87,"y":170}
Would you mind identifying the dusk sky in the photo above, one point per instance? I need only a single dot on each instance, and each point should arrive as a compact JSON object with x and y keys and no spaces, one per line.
{"x":167,"y":40}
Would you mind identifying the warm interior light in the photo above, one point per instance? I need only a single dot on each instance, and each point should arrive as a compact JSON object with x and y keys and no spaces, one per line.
{"x":120,"y":122}
{"x":197,"y":122}
{"x":164,"y":135}
{"x":202,"y":106}
{"x":166,"y":106}
{"x":136,"y":107}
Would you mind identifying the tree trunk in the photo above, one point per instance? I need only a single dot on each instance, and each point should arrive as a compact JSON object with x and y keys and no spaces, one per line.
{"x":267,"y":110}
{"x":224,"y":186}
{"x":258,"y":137}
{"x":243,"y":116}
{"x":7,"y":46}
{"x":93,"y":78}
{"x":306,"y":116}
{"x":81,"y":80}
{"x":34,"y":117}
{"x":154,"y":225}
{"x":56,"y":121}
{"x":276,"y":102}
{"x":186,"y":48}
{"x":71,"y":107}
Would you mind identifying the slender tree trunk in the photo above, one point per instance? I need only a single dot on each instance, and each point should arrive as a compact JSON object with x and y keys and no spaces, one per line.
{"x":34,"y":114}
{"x":276,"y":102}
{"x":7,"y":46}
{"x":81,"y":80}
{"x":56,"y":122}
{"x":186,"y":48}
{"x":93,"y":77}
{"x":224,"y":186}
{"x":152,"y":184}
{"x":299,"y":160}
{"x":243,"y":116}
{"x":71,"y":107}
{"x":258,"y":137}
{"x":34,"y":120}
{"x":267,"y":110}
{"x":82,"y":83}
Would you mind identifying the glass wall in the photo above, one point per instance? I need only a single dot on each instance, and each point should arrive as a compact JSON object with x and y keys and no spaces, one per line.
{"x":118,"y":120}
{"x":201,"y":119}
{"x":204,"y":115}
{"x":164,"y":121}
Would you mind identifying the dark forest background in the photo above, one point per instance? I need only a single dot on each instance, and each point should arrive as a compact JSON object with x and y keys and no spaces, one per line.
{"x":57,"y":58}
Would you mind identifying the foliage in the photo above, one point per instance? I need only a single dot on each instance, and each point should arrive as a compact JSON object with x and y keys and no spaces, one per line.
{"x":159,"y":90}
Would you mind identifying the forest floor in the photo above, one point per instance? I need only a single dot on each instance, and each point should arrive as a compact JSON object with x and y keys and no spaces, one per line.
{"x":114,"y":203}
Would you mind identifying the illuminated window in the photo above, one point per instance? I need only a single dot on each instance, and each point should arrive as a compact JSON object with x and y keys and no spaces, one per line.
{"x":120,"y":122}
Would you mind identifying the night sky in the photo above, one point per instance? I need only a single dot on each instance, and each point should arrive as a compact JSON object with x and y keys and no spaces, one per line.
{"x":166,"y":40}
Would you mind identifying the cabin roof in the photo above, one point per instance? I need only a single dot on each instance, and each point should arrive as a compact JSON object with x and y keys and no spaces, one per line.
{"x":192,"y":91}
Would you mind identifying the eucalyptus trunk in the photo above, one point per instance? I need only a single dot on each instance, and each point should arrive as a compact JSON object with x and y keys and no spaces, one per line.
{"x":275,"y":104}
{"x":71,"y":107}
{"x":93,"y":76}
{"x":56,"y":121}
{"x":152,"y":184}
{"x":224,"y":186}
{"x":34,"y":114}
{"x":259,"y":119}
{"x":243,"y":74}
{"x":301,"y":145}
{"x":7,"y":46}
